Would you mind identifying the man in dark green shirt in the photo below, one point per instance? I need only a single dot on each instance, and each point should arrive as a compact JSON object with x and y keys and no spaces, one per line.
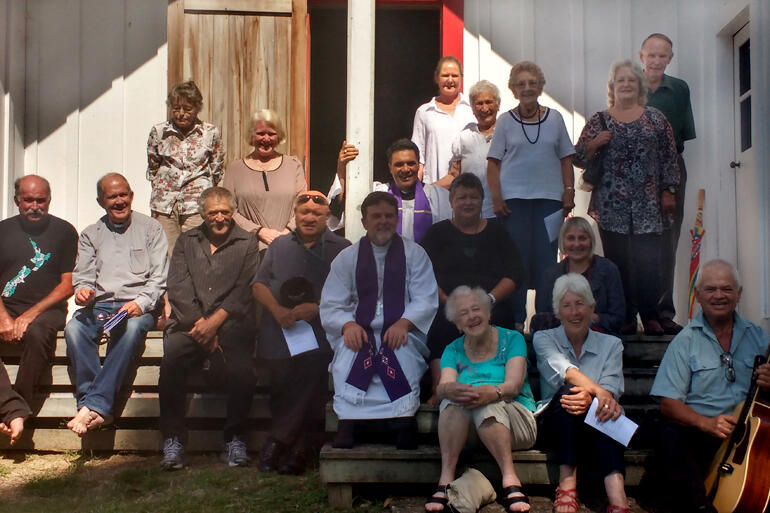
{"x":671,"y":96}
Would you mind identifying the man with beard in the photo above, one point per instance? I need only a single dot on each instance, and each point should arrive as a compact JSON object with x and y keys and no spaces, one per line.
{"x":419,"y":206}
{"x":288,"y":285}
{"x":36,"y":261}
{"x":377,"y":305}
{"x":121,"y":267}
{"x":212,"y":320}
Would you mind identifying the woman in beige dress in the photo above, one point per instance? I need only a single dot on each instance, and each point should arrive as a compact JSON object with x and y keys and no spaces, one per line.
{"x":265,"y":182}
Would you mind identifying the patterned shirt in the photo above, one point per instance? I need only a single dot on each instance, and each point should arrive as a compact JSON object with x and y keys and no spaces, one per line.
{"x":180,"y":167}
{"x":640,"y":161}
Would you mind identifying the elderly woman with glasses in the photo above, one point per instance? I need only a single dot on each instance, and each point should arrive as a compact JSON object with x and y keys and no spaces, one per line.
{"x":265,"y":182}
{"x":577,"y":366}
{"x":530,"y":176}
{"x":484,"y":386}
{"x":577,"y":243}
{"x":184,"y":158}
{"x":634,"y":200}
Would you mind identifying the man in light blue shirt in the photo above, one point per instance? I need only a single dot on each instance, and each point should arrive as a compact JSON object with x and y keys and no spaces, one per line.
{"x":121,"y":266}
{"x":704,"y":375}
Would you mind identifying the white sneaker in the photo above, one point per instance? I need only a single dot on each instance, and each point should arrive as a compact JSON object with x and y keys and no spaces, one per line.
{"x":235,"y":454}
{"x":173,"y":454}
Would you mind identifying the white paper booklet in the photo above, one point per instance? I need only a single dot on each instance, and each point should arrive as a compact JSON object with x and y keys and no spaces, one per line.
{"x":300,"y":338}
{"x":620,"y":429}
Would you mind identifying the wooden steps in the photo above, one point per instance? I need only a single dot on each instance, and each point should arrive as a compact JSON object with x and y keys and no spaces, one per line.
{"x":136,"y":429}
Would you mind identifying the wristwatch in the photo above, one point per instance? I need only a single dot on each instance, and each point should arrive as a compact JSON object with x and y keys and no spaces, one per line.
{"x":492,"y":297}
{"x":499,"y":392}
{"x":672,"y":189}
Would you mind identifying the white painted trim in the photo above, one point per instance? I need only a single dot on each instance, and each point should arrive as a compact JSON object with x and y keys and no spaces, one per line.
{"x":360,"y":111}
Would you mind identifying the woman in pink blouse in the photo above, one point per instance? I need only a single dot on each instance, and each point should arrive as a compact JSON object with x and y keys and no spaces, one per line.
{"x":184,"y":158}
{"x":265,"y":182}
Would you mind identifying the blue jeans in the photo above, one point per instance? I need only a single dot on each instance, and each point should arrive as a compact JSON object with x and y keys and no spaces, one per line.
{"x":97,"y":384}
{"x":526,"y":227}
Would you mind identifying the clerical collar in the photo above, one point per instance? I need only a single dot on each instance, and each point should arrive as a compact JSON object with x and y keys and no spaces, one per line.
{"x":407,"y":195}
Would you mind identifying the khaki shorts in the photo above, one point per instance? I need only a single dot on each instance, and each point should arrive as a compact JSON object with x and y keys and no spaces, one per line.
{"x":513,"y":415}
{"x":174,"y":224}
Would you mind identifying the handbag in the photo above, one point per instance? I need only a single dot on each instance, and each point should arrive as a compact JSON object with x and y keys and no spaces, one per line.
{"x":595,"y":167}
{"x":469,"y":492}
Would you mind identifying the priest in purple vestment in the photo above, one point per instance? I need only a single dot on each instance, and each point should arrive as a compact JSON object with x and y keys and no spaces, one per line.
{"x":377,"y":305}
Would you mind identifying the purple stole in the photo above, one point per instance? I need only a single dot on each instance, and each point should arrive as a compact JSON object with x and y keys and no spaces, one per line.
{"x":368,"y":360}
{"x":423,"y":218}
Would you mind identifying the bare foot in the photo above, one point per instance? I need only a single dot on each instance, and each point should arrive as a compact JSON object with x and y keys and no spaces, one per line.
{"x":95,"y":420}
{"x":79,"y":423}
{"x":16,"y":428}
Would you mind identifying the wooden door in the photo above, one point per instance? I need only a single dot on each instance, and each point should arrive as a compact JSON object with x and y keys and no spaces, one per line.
{"x":244,"y":55}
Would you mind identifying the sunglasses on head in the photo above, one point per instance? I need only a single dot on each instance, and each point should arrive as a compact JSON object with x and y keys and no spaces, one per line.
{"x":318,"y":200}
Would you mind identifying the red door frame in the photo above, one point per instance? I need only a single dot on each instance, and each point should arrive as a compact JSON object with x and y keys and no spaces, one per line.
{"x":452,"y":22}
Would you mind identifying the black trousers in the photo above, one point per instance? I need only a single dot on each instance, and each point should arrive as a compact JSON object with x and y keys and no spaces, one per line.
{"x":670,"y":240}
{"x":38,"y":349}
{"x":575,"y":442}
{"x":11,"y":403}
{"x":682,"y":459}
{"x":299,"y":390}
{"x":638,"y":258}
{"x":233,"y":367}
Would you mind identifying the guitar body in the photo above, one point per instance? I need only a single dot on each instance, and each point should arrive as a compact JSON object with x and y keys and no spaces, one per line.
{"x":743,"y":477}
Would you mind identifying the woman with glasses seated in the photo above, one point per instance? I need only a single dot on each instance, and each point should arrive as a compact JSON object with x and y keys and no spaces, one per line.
{"x":184,"y":158}
{"x":265,"y":182}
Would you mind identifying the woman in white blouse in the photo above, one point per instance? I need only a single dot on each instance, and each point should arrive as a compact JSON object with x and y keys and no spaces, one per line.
{"x":437,"y":122}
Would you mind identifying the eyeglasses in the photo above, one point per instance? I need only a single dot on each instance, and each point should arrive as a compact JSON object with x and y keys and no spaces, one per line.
{"x":318,"y":200}
{"x":180,"y":108}
{"x":727,"y":359}
{"x":523,"y":84}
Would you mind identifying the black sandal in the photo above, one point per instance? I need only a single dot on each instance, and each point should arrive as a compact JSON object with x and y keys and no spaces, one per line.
{"x":443,"y":501}
{"x":506,"y":502}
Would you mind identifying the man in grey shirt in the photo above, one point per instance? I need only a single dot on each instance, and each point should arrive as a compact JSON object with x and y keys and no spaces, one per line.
{"x":121,"y":266}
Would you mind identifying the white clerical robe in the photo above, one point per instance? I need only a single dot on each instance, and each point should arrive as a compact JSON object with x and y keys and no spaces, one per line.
{"x":339,"y":301}
{"x":438,"y":197}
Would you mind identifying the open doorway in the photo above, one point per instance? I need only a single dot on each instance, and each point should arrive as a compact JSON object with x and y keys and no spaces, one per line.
{"x":407,"y":47}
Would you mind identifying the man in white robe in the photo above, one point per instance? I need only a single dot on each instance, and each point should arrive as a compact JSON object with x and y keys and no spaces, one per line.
{"x":401,"y":300}
{"x":420,"y":205}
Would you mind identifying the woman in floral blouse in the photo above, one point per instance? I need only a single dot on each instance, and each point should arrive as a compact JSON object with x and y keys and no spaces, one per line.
{"x":634,"y":200}
{"x":184,"y":157}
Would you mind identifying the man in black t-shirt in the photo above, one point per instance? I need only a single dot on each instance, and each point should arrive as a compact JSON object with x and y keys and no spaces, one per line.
{"x":36,"y":261}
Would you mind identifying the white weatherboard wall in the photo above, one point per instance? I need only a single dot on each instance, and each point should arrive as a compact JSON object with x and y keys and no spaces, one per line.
{"x":95,"y":74}
{"x":574,"y":43}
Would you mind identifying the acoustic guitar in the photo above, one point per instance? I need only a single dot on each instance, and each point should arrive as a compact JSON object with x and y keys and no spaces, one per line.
{"x":739,"y":478}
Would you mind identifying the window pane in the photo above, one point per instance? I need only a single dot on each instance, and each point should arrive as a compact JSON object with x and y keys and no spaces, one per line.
{"x":746,"y":124}
{"x":744,"y":66}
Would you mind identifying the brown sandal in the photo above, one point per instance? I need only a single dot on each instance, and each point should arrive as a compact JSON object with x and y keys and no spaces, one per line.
{"x":566,"y":498}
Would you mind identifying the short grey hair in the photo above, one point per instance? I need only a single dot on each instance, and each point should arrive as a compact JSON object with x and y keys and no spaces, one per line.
{"x":268,"y":116}
{"x":450,"y":309}
{"x":581,"y":223}
{"x":100,"y":189}
{"x":575,"y":283}
{"x":216,"y":192}
{"x":638,"y":73}
{"x":717,"y":262}
{"x":17,"y":185}
{"x":484,"y":86}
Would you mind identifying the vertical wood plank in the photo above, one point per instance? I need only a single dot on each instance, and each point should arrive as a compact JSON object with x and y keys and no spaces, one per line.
{"x":250,"y":72}
{"x":279,"y":76}
{"x":220,"y":80}
{"x":298,"y":80}
{"x":175,"y":34}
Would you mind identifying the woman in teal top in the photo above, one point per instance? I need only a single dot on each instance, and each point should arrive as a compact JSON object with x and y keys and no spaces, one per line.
{"x":483,"y":382}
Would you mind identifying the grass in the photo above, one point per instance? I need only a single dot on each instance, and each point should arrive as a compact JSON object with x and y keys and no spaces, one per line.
{"x":139,"y":486}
